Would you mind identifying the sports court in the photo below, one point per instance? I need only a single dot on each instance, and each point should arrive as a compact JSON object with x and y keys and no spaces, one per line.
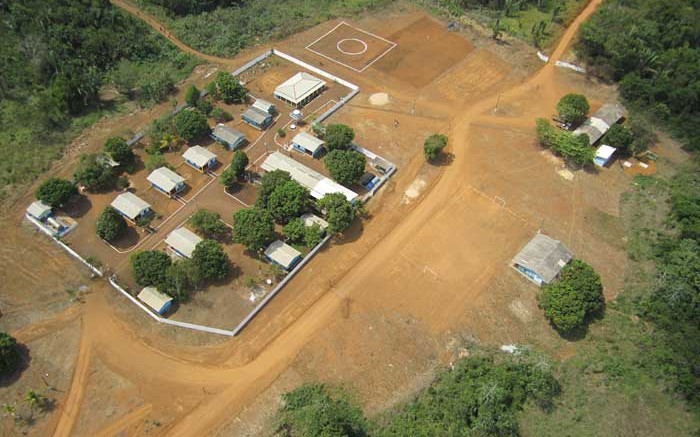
{"x":351,"y":47}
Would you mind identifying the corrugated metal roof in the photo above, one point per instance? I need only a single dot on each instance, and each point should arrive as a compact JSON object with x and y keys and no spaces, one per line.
{"x":264,"y":106}
{"x":228,"y":134}
{"x":308,"y":141}
{"x":165,"y":178}
{"x":38,"y":209}
{"x":311,"y":219}
{"x":298,"y":87}
{"x":545,"y":256}
{"x":154,"y":298}
{"x":198,"y":155}
{"x":130,"y":205}
{"x":183,"y":241}
{"x":600,"y":122}
{"x":281,"y":253}
{"x":256,"y":115}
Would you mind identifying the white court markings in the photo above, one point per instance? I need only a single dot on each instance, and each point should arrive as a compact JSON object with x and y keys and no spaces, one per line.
{"x":343,"y":23}
{"x":359,"y":52}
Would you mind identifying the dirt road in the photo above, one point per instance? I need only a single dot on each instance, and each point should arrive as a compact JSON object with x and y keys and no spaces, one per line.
{"x":234,"y":387}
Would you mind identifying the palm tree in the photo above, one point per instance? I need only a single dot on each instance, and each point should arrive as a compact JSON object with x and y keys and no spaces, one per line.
{"x":35,"y":400}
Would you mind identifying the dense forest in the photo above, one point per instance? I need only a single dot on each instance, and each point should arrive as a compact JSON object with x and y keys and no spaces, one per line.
{"x":57,"y":56}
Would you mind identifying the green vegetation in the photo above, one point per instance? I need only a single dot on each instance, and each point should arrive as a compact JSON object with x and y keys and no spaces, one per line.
{"x":651,"y":48}
{"x":110,"y":224}
{"x":239,"y":163}
{"x":55,"y":192}
{"x":211,"y":261}
{"x":157,"y":160}
{"x":345,"y":166}
{"x":57,"y":56}
{"x":254,"y":228}
{"x":220,"y":115}
{"x":620,"y":137}
{"x":94,"y":174}
{"x":208,"y":223}
{"x":268,"y":184}
{"x":297,"y":232}
{"x":149,"y":267}
{"x":191,"y":124}
{"x":338,"y":137}
{"x":228,"y":88}
{"x":573,"y":108}
{"x":339,"y":212}
{"x":192,"y":95}
{"x":287,"y":201}
{"x":117,"y":148}
{"x":434,"y":145}
{"x":576,"y":295}
{"x":9,"y":354}
{"x":181,"y":277}
{"x":574,"y":148}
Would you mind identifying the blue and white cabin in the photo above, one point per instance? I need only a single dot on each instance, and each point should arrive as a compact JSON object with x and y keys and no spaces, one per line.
{"x":283,"y":255}
{"x":257,"y":118}
{"x":131,"y":206}
{"x":228,"y":136}
{"x":182,"y":241}
{"x":542,"y":259}
{"x":39,"y":210}
{"x":200,"y":158}
{"x":157,"y":301}
{"x":166,"y":181}
{"x":603,"y":155}
{"x":304,"y":142}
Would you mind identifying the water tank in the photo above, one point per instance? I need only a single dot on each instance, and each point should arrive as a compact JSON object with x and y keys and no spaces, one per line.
{"x":296,"y":115}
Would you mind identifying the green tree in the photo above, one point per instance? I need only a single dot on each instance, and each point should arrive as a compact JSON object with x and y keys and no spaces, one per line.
{"x":208,"y":223}
{"x":94,"y":174}
{"x":268,"y":183}
{"x":572,"y":108}
{"x":338,"y":136}
{"x":314,"y":410}
{"x":620,"y":137}
{"x":339,"y":212}
{"x":119,"y":150}
{"x":210,"y":260}
{"x":575,"y":148}
{"x":157,"y":160}
{"x":149,"y":267}
{"x":220,"y":115}
{"x":433,"y":146}
{"x":9,"y":354}
{"x":228,"y":178}
{"x":110,"y":224}
{"x":156,"y":88}
{"x":577,"y":294}
{"x":180,"y":280}
{"x":254,"y":228}
{"x":295,"y":230}
{"x":55,"y":192}
{"x":229,"y":88}
{"x":313,"y":235}
{"x":192,"y":95}
{"x":287,"y":201}
{"x":191,"y":124}
{"x":345,"y":166}
{"x":239,"y":163}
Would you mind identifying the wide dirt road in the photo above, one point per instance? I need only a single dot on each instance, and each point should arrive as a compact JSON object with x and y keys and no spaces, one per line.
{"x":230,"y":388}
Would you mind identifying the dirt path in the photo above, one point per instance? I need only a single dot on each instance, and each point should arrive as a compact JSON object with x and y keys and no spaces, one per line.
{"x":234,"y":387}
{"x":163,"y":30}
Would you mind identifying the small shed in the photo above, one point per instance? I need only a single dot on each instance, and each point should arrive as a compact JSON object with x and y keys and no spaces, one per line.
{"x":311,"y":219}
{"x":228,"y":136}
{"x":166,"y":181}
{"x":603,"y":155}
{"x":183,"y":242}
{"x":542,"y":259}
{"x":300,"y":89}
{"x":39,"y":210}
{"x":200,"y":158}
{"x":159,"y":302}
{"x":282,"y":255}
{"x":600,"y":122}
{"x":131,"y":206}
{"x":307,"y":143}
{"x":257,"y":118}
{"x":265,"y":106}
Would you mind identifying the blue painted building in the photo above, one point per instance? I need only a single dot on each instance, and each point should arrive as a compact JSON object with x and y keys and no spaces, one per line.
{"x":257,"y":118}
{"x":228,"y":136}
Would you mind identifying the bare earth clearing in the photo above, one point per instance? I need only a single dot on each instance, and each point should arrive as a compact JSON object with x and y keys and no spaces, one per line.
{"x":377,"y":310}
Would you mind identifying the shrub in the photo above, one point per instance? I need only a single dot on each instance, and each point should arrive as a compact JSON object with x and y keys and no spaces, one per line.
{"x":119,"y":150}
{"x":110,"y":224}
{"x":220,"y":115}
{"x":339,"y":212}
{"x":338,"y":136}
{"x":157,"y":88}
{"x":620,"y":137}
{"x":228,"y":178}
{"x":572,"y":108}
{"x":149,"y":267}
{"x":180,"y":280}
{"x":254,"y":228}
{"x":55,"y":192}
{"x":239,"y":163}
{"x":191,"y":124}
{"x":574,"y":148}
{"x":205,"y":106}
{"x":433,"y":146}
{"x":268,"y":183}
{"x":94,"y":174}
{"x":229,"y":88}
{"x":9,"y":354}
{"x":157,"y":160}
{"x":208,"y":223}
{"x":192,"y":95}
{"x":281,"y":132}
{"x":210,"y":260}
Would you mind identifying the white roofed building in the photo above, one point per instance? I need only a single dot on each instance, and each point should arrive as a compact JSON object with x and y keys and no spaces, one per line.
{"x":600,"y":122}
{"x":200,"y":158}
{"x":310,"y":219}
{"x":183,"y":242}
{"x":166,"y":181}
{"x":131,"y":206}
{"x":264,"y":106}
{"x":282,"y":254}
{"x":300,"y":89}
{"x":159,"y":302}
{"x":603,"y":155}
{"x":317,"y":184}
{"x":307,"y":143}
{"x":39,"y":210}
{"x":542,"y":259}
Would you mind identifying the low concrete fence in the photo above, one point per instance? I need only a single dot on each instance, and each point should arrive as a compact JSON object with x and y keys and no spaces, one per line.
{"x":251,"y":63}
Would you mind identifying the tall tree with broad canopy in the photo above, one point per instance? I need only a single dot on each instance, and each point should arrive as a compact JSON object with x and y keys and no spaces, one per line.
{"x":254,"y":228}
{"x":239,"y":163}
{"x":433,"y":146}
{"x":339,"y":212}
{"x":229,"y":88}
{"x":55,"y":192}
{"x":287,"y":201}
{"x":268,"y":183}
{"x":191,"y":124}
{"x":94,"y":174}
{"x":208,"y":223}
{"x":110,"y":224}
{"x":210,"y":260}
{"x":572,"y":108}
{"x":338,"y":136}
{"x":345,"y":166}
{"x":119,"y":150}
{"x":9,"y":354}
{"x":181,"y":278}
{"x":149,"y":267}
